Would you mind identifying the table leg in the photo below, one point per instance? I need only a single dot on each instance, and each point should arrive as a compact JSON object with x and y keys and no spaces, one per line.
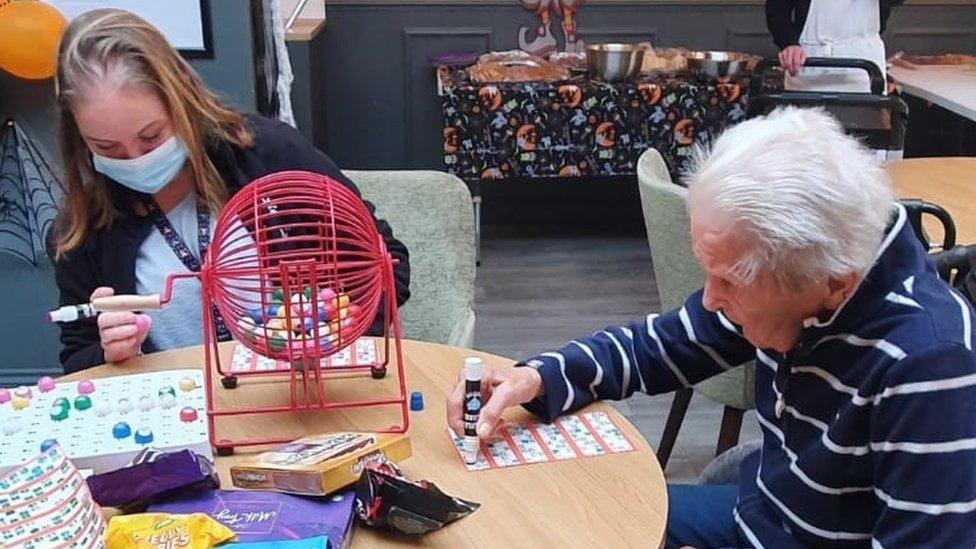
{"x":728,"y":435}
{"x":475,"y":186}
{"x":476,"y":201}
{"x":679,"y":406}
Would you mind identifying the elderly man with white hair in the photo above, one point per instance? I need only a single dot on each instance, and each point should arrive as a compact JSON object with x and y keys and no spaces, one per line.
{"x":866,"y":378}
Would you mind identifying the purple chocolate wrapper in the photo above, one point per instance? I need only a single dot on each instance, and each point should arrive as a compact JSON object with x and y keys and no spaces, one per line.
{"x":266,"y":516}
{"x":140,"y":483}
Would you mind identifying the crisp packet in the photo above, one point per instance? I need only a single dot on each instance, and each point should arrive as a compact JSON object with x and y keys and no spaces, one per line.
{"x":255,"y":515}
{"x":152,"y":475}
{"x":154,"y":530}
{"x":386,"y":499}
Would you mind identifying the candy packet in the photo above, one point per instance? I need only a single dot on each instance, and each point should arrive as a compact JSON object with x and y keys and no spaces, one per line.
{"x":386,"y":499}
{"x":317,"y":465}
{"x":154,"y":530}
{"x":153,"y":475}
{"x":270,"y":516}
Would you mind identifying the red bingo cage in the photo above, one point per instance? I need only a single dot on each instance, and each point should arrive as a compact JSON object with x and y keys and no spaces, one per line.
{"x":295,"y":273}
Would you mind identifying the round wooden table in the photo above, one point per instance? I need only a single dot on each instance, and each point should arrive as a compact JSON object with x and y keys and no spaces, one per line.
{"x":616,"y":500}
{"x":949,"y":182}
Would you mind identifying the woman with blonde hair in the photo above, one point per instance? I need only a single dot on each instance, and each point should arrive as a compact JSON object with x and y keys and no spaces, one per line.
{"x":150,"y":156}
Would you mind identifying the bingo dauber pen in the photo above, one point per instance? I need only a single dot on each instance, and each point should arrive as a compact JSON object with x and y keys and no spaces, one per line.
{"x":71,"y":313}
{"x":473,"y":369}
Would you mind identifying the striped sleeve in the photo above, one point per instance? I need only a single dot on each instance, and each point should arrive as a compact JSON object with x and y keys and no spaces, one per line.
{"x":923,"y":438}
{"x":660,"y":354}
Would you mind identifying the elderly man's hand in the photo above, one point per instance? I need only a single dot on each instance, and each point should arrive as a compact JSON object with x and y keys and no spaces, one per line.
{"x":792,"y":58}
{"x":501,"y":388}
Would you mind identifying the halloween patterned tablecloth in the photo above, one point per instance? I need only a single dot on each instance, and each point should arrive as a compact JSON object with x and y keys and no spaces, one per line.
{"x":579,"y":127}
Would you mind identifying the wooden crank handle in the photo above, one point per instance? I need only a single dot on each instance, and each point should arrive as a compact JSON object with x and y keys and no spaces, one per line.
{"x":115,"y":303}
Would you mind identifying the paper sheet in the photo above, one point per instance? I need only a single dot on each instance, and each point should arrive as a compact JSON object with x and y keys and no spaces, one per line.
{"x":568,"y":437}
{"x":46,"y":503}
{"x":361,"y":353}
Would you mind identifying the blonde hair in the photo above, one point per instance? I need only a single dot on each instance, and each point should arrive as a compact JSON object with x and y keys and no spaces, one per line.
{"x":112,"y":43}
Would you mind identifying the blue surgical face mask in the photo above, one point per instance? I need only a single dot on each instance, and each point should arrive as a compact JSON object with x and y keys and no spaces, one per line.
{"x":147,"y":173}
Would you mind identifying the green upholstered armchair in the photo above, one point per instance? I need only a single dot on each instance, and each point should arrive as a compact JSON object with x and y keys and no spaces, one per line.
{"x":431,"y":213}
{"x":678,"y":275}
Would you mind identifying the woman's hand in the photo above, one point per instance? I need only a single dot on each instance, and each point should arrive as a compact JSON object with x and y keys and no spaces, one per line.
{"x":121,"y":334}
{"x":792,"y":58}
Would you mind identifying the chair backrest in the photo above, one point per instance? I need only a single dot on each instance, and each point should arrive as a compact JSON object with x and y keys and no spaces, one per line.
{"x":957,"y":266}
{"x":675,"y":269}
{"x":668,"y":231}
{"x":916,"y":209}
{"x":431,"y":213}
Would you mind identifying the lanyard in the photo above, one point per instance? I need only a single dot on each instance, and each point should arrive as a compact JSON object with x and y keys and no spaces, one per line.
{"x":183,"y":253}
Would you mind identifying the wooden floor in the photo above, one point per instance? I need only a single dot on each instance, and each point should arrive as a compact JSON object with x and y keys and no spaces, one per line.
{"x":535,"y":293}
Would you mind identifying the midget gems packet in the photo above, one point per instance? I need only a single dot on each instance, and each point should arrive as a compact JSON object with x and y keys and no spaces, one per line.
{"x":161,"y":530}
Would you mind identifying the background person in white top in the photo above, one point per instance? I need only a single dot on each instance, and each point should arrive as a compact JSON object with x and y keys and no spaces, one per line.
{"x":828,"y":28}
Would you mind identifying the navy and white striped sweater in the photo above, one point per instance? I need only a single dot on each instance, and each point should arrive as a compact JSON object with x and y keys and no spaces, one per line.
{"x":869,"y":422}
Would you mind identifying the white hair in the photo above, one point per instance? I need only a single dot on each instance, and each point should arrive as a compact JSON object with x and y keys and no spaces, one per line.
{"x":813,"y":201}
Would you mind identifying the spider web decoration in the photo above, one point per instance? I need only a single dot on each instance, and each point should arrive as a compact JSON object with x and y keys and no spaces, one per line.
{"x":29,"y":195}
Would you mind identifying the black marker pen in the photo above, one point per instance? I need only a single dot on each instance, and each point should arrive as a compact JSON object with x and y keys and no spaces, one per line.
{"x":473,"y":368}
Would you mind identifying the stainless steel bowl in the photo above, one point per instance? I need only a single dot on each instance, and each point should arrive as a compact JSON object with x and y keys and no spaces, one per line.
{"x":614,"y":62}
{"x":716,"y":64}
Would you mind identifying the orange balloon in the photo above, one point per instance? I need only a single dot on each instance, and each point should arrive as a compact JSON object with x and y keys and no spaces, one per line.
{"x":29,"y":36}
